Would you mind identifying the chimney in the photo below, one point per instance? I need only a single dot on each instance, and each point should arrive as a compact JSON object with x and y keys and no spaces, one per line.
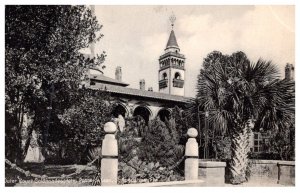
{"x":289,"y":72}
{"x":142,"y":84}
{"x":150,"y":89}
{"x":118,"y":73}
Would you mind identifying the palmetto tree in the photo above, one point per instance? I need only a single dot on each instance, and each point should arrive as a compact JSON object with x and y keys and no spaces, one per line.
{"x":239,"y":96}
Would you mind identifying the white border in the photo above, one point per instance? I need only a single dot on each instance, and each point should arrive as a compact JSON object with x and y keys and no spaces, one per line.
{"x":137,"y":189}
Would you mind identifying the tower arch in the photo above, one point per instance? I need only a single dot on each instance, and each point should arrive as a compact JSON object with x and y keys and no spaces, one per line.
{"x":177,"y":76}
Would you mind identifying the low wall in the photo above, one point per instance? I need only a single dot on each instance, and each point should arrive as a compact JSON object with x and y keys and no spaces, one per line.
{"x":272,"y":172}
{"x":286,"y":173}
{"x":212,"y":172}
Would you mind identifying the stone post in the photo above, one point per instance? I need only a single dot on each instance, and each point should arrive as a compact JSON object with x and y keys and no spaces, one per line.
{"x":109,"y":161}
{"x":191,"y":156}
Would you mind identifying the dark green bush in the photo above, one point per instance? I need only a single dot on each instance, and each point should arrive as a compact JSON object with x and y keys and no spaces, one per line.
{"x":152,"y":155}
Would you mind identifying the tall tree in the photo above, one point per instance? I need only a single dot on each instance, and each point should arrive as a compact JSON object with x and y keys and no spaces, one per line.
{"x":83,"y":124}
{"x":44,"y":65}
{"x":239,"y":96}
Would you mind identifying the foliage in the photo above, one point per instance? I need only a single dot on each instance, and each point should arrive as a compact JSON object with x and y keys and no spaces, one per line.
{"x":161,"y":143}
{"x":44,"y":67}
{"x":137,"y":171}
{"x":223,"y":151}
{"x":149,"y":153}
{"x":183,"y":121}
{"x":135,"y":127}
{"x":84,"y":121}
{"x":235,"y":93}
{"x":283,"y":143}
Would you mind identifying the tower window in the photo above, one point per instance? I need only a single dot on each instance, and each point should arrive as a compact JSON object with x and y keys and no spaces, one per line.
{"x":177,"y":76}
{"x":164,"y":76}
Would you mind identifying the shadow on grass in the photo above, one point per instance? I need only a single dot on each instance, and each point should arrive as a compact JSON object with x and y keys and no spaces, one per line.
{"x":13,"y":177}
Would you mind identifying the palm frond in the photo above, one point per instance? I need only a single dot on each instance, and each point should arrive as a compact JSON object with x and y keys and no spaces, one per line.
{"x":276,"y":104}
{"x":262,"y":71}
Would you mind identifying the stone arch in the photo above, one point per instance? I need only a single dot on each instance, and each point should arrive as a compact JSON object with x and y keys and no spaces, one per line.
{"x":164,"y":114}
{"x":120,"y":109}
{"x":177,"y":76}
{"x":144,"y":112}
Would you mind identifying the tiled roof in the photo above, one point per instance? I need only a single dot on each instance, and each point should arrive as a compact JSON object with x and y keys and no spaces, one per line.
{"x":105,"y":79}
{"x":172,"y":42}
{"x":140,"y":93}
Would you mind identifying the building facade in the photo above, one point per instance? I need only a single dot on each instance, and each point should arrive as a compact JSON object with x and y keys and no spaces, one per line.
{"x":147,"y":103}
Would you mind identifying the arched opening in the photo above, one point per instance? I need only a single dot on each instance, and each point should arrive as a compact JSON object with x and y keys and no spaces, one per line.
{"x":164,"y":76}
{"x":119,"y":110}
{"x":177,"y":76}
{"x":164,"y":114}
{"x":143,"y":112}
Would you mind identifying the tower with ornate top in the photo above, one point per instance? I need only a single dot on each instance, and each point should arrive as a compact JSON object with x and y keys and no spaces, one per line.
{"x":172,"y":66}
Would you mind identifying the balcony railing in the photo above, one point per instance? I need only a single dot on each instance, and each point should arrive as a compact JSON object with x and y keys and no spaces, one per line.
{"x":178,"y":83}
{"x":163,"y":83}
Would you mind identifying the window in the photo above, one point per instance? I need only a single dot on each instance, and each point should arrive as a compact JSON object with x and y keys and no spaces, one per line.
{"x":177,"y":76}
{"x":261,"y":142}
{"x":164,"y":76}
{"x":257,"y":143}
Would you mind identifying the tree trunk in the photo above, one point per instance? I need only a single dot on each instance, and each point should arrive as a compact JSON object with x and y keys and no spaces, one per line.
{"x":239,"y":161}
{"x":19,"y":135}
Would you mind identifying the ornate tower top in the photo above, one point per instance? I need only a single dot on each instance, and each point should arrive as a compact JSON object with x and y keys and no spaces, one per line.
{"x":172,"y":20}
{"x":172,"y":42}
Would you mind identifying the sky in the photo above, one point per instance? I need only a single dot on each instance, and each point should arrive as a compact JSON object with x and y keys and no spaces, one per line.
{"x":135,"y":37}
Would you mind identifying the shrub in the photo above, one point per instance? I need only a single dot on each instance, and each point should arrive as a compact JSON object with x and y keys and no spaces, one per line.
{"x":137,"y":171}
{"x":152,"y":157}
{"x":161,"y":143}
{"x":223,"y":151}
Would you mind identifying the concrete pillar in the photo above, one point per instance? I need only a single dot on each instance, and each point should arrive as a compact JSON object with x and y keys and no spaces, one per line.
{"x":109,"y":161}
{"x":191,"y":156}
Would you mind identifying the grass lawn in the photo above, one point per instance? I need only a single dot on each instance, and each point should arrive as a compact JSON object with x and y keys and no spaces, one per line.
{"x":84,"y":178}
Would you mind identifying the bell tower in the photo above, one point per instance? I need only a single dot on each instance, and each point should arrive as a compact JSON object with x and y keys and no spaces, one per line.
{"x":171,"y":66}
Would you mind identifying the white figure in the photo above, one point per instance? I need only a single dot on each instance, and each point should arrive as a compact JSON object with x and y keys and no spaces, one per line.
{"x":34,"y":154}
{"x":121,"y":123}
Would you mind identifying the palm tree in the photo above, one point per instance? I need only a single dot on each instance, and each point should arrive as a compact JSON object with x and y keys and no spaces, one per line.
{"x":239,"y":96}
